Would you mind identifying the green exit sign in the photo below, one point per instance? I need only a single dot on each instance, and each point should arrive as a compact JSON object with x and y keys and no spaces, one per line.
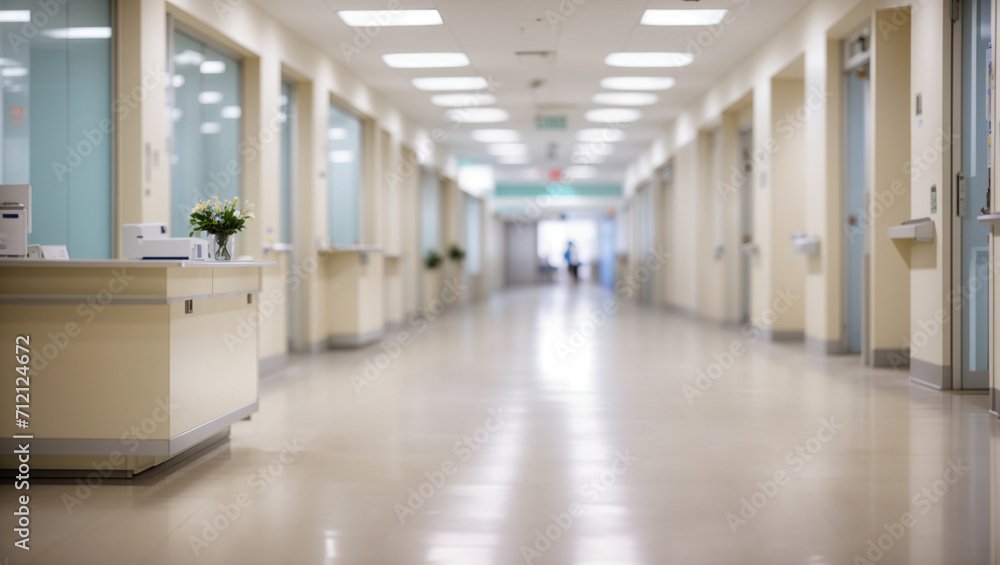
{"x":550,"y":122}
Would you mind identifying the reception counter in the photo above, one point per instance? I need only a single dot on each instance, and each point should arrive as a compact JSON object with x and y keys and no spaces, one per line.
{"x":132,"y":363}
{"x":353,"y":281}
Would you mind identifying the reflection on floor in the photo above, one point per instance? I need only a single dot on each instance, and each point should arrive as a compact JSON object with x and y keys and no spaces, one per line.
{"x":542,"y":427}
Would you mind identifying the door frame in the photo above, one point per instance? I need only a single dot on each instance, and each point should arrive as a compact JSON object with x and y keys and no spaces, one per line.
{"x":951,"y":221}
{"x":852,"y":61}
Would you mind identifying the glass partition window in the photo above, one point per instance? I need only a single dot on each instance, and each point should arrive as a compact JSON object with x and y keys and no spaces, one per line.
{"x":205,"y":114}
{"x":55,"y":126}
{"x":473,"y":234}
{"x":430,"y":194}
{"x":344,"y":176}
{"x":286,"y":110}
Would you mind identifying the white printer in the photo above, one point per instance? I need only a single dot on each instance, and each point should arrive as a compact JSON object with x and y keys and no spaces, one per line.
{"x":150,"y":241}
{"x":15,"y":219}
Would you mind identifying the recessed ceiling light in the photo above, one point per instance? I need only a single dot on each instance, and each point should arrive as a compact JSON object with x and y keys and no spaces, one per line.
{"x":450,"y":83}
{"x":231,"y":112}
{"x":477,"y":115}
{"x":649,"y":59}
{"x":626,"y":98}
{"x":638,"y":83}
{"x":463,"y":100}
{"x":606,"y":135}
{"x":507,"y":149}
{"x":209,"y":97}
{"x":595,"y":148}
{"x":514,"y":160}
{"x":683,"y":17}
{"x":425,"y":60}
{"x":613,"y":115}
{"x":15,"y":15}
{"x":334,"y":134}
{"x":79,"y":33}
{"x":378,"y":18}
{"x":579,"y":172}
{"x":496,"y":135}
{"x":13,"y":71}
{"x":212,"y":68}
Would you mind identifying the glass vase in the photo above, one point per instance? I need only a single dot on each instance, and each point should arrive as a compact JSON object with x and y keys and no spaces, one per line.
{"x":222,"y":247}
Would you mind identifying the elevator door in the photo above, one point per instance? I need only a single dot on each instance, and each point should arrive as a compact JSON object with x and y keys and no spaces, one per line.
{"x":856,"y":194}
{"x":976,"y":19}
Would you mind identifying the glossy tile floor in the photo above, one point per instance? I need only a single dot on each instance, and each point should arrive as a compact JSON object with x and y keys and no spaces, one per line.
{"x":526,"y":430}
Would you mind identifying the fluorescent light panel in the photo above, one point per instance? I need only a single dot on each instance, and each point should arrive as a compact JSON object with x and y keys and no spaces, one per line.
{"x":450,"y":83}
{"x":463,"y":100}
{"x":683,"y":17}
{"x":613,"y":115}
{"x":426,"y":60}
{"x":496,"y":135}
{"x":378,"y":18}
{"x":477,"y":115}
{"x":626,"y":98}
{"x":649,"y":59}
{"x":638,"y":83}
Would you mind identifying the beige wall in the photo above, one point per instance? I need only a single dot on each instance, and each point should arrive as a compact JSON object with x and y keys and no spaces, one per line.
{"x":814,"y":36}
{"x":889,"y":206}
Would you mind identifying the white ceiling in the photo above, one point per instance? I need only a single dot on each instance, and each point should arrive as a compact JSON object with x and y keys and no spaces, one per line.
{"x":491,"y":31}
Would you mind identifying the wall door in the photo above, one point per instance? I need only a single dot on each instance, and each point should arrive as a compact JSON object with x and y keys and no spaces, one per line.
{"x":856,"y":175}
{"x":972,"y":323}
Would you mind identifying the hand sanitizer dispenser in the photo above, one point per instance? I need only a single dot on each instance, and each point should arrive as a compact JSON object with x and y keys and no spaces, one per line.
{"x":15,"y":219}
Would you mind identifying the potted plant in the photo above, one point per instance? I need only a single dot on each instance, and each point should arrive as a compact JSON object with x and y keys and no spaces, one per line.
{"x":456,"y":253}
{"x":222,"y":220}
{"x":432,"y":260}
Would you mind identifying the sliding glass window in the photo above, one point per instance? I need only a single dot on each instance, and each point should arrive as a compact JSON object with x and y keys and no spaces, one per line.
{"x":205,"y":113}
{"x":56,"y":122}
{"x":344,"y":176}
{"x":287,"y":114}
